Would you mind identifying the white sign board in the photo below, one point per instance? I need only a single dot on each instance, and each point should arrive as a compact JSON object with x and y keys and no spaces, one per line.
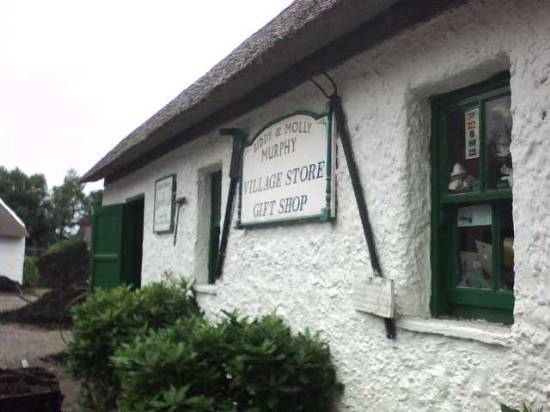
{"x":288,"y":172}
{"x":165,"y":190}
{"x":479,"y":215}
{"x":374,"y":296}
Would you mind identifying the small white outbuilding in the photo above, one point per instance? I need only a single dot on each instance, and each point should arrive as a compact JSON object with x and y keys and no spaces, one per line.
{"x":12,"y":243}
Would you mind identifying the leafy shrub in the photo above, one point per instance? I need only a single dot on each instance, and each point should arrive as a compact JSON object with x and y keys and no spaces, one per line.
{"x":63,"y":246}
{"x":64,"y":263}
{"x":30,"y":271}
{"x":177,"y":367}
{"x":111,"y":318}
{"x":273,"y":370}
{"x":236,"y":365}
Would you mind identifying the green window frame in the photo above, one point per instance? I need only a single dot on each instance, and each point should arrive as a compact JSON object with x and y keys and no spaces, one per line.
{"x":451,"y":295}
{"x":215,"y":184}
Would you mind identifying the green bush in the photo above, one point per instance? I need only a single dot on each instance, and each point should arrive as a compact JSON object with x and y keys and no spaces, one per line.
{"x":236,"y":365}
{"x":111,"y":318}
{"x":153,"y":350}
{"x":176,"y":367}
{"x":30,"y":271}
{"x":63,"y":246}
{"x":271,"y":369}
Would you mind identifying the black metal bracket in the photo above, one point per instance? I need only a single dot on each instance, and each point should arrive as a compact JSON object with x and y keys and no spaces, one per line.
{"x":343,"y":131}
{"x":239,"y":137}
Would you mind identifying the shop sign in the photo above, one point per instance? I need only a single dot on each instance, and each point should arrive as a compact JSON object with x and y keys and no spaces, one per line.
{"x":165,"y":191}
{"x":288,"y":172}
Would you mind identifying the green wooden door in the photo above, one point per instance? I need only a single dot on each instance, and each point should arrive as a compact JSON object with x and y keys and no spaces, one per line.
{"x":106,"y":250}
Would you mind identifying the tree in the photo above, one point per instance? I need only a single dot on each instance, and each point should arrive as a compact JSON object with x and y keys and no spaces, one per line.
{"x":47,"y":215}
{"x":68,"y":202}
{"x":28,"y":197}
{"x":93,"y":200}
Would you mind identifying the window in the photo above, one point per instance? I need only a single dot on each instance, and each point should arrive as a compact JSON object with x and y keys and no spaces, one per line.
{"x":215,"y":184}
{"x":472,"y":225}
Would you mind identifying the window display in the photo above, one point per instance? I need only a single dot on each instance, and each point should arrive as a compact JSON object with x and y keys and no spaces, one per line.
{"x":472,"y":226}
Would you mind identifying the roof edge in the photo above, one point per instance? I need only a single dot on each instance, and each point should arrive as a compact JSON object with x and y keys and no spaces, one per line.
{"x":23,"y":232}
{"x":392,"y":20}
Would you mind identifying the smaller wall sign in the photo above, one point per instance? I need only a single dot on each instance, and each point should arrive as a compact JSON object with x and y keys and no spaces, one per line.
{"x":165,"y":191}
{"x":374,"y":296}
{"x":471,"y":126}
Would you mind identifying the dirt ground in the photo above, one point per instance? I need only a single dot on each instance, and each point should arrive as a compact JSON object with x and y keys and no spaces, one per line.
{"x":18,"y":342}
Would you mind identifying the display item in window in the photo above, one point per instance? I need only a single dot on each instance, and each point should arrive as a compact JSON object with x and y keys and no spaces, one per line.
{"x":472,"y":271}
{"x":460,"y":180}
{"x":504,"y":159}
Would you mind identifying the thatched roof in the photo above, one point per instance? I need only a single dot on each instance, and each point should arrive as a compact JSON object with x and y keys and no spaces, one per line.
{"x":300,"y":30}
{"x":10,"y":224}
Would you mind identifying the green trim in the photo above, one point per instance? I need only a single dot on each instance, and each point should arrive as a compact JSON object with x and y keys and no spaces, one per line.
{"x":479,"y":312}
{"x":482,"y":297}
{"x":328,"y":213}
{"x":172,"y":207}
{"x":483,"y":90}
{"x":215,"y":182}
{"x":482,"y":148}
{"x":238,"y":225}
{"x":325,"y":214}
{"x":476,"y":197}
{"x":495,"y":256}
{"x":447,"y":298}
{"x":438,"y":297}
{"x":110,"y":237}
{"x":279,"y":222}
{"x":240,"y":140}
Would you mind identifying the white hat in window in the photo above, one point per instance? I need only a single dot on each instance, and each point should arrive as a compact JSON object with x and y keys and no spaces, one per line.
{"x":458,"y":171}
{"x":460,"y":180}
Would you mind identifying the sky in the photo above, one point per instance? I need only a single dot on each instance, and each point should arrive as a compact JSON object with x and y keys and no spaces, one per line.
{"x":78,"y":76}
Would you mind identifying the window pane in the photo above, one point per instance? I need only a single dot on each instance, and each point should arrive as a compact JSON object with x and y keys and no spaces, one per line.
{"x":498,"y":129}
{"x":506,"y":226}
{"x":475,"y":246}
{"x":462,"y":127}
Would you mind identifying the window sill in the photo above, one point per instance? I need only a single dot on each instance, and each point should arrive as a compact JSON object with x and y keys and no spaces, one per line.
{"x":480,"y":331}
{"x":206,"y":289}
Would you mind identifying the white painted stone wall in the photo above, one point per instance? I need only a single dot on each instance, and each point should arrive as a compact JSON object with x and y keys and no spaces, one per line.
{"x":12,"y":254}
{"x":306,"y":272}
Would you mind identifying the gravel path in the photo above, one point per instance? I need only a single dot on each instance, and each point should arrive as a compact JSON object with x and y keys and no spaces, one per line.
{"x":9,"y":301}
{"x":19,"y":342}
{"x":27,"y":342}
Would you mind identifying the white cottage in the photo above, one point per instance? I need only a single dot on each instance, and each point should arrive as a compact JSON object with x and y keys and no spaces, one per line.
{"x":445,"y":104}
{"x":12,"y":243}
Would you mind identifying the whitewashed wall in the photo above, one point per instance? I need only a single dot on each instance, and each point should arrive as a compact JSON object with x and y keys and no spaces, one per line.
{"x":306,"y":272}
{"x":12,"y":254}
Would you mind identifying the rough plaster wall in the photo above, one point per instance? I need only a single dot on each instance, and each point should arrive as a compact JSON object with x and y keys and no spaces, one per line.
{"x":159,"y":252}
{"x":306,"y":272}
{"x":12,"y":253}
